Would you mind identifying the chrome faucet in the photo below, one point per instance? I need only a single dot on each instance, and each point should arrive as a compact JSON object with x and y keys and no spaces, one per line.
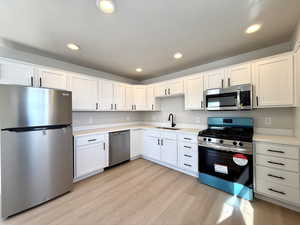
{"x":172,"y":119}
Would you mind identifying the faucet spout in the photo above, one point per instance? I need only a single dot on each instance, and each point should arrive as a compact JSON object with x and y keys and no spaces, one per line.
{"x":171,"y":117}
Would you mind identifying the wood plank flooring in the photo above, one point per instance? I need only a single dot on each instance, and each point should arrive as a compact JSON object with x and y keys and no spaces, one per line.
{"x":143,"y":193}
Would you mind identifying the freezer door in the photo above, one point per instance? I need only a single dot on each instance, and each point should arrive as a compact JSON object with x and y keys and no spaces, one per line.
{"x":28,"y":107}
{"x":36,"y":165}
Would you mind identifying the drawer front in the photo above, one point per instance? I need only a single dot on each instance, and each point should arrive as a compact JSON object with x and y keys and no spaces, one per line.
{"x":278,"y":163}
{"x":283,"y":151}
{"x":277,"y":191}
{"x":90,"y":139}
{"x":188,"y":157}
{"x":152,"y":133}
{"x":188,"y":138}
{"x":290,"y":179}
{"x":170,"y":135}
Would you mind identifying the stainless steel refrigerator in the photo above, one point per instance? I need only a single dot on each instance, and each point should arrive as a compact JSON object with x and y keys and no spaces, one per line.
{"x":36,"y":146}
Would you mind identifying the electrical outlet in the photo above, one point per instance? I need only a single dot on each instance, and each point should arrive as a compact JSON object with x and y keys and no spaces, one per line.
{"x":268,"y":121}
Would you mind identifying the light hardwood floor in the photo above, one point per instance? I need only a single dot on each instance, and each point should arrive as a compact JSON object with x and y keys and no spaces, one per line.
{"x":141,"y":192}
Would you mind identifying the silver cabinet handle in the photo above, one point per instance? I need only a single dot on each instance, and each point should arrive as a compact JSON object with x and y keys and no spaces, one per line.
{"x":111,"y":106}
{"x":31,"y":80}
{"x":152,"y":107}
{"x":162,"y":142}
{"x":274,"y":176}
{"x":165,"y":91}
{"x":189,"y":156}
{"x":222,"y":83}
{"x":169,"y":91}
{"x":92,"y":140}
{"x":115,"y":106}
{"x":104,"y":146}
{"x":187,"y":164}
{"x":256,"y":100}
{"x":279,"y":192}
{"x":189,"y":147}
{"x":158,"y":141}
{"x":40,"y":82}
{"x":131,"y":107}
{"x":201,"y":104}
{"x":228,"y":82}
{"x":189,"y":139}
{"x":96,"y":105}
{"x":275,"y":151}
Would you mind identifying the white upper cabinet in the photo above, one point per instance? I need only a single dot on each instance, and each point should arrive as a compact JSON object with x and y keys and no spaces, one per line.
{"x":129,"y":97}
{"x":16,"y":73}
{"x":170,"y":88}
{"x":119,"y":102}
{"x":193,"y":93}
{"x":84,"y":93}
{"x":152,"y":102}
{"x":238,"y":74}
{"x":52,"y":79}
{"x":106,"y":100}
{"x":140,"y":97}
{"x":274,"y":81}
{"x":214,"y":79}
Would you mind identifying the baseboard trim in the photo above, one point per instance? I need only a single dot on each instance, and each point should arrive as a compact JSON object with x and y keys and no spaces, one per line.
{"x":276,"y":202}
{"x":87,"y":175}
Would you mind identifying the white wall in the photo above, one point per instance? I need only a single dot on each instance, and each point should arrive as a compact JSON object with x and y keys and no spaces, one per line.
{"x":281,"y":118}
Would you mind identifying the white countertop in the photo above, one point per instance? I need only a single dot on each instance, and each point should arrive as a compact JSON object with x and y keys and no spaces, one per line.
{"x":131,"y":127}
{"x":288,"y":140}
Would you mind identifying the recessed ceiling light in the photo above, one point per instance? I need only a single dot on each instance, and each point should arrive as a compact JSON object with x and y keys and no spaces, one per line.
{"x":106,"y":6}
{"x":178,"y":55}
{"x":253,"y":28}
{"x":139,"y":70}
{"x":72,"y":46}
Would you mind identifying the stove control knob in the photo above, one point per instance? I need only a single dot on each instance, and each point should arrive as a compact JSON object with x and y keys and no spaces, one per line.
{"x":241,"y":144}
{"x":221,"y":141}
{"x":204,"y":139}
{"x":209,"y":139}
{"x":234,"y":143}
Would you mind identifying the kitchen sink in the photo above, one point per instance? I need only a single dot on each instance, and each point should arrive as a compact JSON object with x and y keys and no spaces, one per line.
{"x":168,"y":128}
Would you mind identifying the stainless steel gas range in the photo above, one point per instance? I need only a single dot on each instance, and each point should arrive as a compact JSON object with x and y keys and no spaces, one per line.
{"x":226,"y":155}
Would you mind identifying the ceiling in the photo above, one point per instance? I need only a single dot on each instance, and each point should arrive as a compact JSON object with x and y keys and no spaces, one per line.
{"x":143,"y":33}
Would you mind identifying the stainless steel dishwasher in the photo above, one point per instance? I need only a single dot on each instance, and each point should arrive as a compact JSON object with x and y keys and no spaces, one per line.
{"x":119,"y":147}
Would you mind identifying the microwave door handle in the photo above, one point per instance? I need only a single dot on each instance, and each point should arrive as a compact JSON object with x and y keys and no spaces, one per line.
{"x":238,"y":99}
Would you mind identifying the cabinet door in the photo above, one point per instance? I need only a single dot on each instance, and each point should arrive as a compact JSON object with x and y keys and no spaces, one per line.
{"x":14,"y":73}
{"x":239,"y":74}
{"x":136,"y":142}
{"x":152,"y":147}
{"x":119,"y":97}
{"x":161,"y":90}
{"x":129,"y":97}
{"x":214,"y":79}
{"x":84,"y":93}
{"x":140,"y":100}
{"x":274,"y":81}
{"x":193,"y":92}
{"x":151,"y":101}
{"x":52,"y":79}
{"x":169,"y":152}
{"x":175,"y":87}
{"x":107,"y":95}
{"x":89,"y":159}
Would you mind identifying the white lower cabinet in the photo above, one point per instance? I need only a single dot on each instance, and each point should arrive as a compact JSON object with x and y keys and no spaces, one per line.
{"x":91,"y":155}
{"x":188,"y":153}
{"x":277,"y":172}
{"x":152,"y":147}
{"x":169,"y":151}
{"x":136,"y":143}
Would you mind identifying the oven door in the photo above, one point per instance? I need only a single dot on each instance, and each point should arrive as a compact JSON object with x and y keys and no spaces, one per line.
{"x":230,"y":166}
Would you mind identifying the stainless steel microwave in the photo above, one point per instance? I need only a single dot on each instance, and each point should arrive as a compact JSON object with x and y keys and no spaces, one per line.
{"x":237,"y":97}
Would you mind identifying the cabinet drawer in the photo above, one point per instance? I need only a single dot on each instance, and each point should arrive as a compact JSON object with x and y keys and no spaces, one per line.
{"x":278,"y":163}
{"x":152,"y":133}
{"x":188,"y":149}
{"x":169,"y":135}
{"x":277,"y":176}
{"x":189,"y":164}
{"x":284,"y":151}
{"x":188,"y":138}
{"x":278,"y":191}
{"x":90,"y":139}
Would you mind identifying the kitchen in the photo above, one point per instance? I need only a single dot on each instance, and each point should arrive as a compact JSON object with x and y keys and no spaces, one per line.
{"x":146,"y":146}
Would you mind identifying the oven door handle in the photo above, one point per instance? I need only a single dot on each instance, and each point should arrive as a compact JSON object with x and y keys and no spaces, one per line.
{"x":224,"y":148}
